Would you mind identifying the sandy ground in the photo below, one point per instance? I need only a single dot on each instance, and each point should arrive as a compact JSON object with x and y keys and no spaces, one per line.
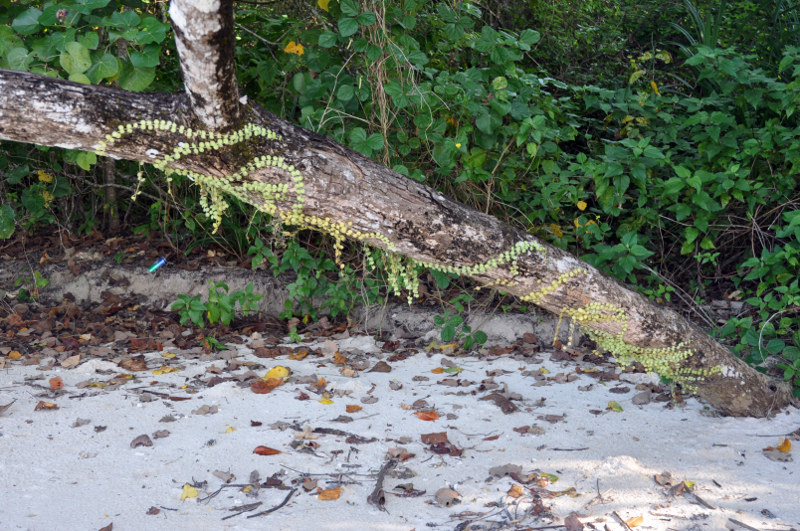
{"x":521,"y":442}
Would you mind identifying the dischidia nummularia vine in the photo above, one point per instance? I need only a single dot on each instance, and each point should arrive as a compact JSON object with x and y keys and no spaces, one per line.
{"x":402,"y":272}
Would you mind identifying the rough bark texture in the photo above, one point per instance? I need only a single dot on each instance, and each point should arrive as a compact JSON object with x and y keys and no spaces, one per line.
{"x":331,"y":188}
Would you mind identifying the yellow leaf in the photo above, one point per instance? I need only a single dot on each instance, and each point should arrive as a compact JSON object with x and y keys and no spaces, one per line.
{"x":556,"y":230}
{"x":458,"y":145}
{"x":582,"y":205}
{"x":330,"y":494}
{"x":654,"y":87}
{"x":230,"y":429}
{"x":15,"y":354}
{"x":627,"y":119}
{"x":45,"y":177}
{"x":785,"y":446}
{"x":325,"y":401}
{"x":188,"y":492}
{"x":323,"y":4}
{"x":614,"y":406}
{"x":294,"y":48}
{"x":277,"y":372}
{"x":635,"y":521}
{"x":168,"y":355}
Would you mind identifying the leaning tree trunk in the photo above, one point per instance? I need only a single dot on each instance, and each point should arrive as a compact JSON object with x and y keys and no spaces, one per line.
{"x":229,"y":147}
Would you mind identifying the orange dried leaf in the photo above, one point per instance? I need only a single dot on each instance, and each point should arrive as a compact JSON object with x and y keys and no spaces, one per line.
{"x":262,"y":387}
{"x":265,"y":450}
{"x":785,"y":446}
{"x":330,"y":494}
{"x":635,"y":521}
{"x":45,"y":405}
{"x":352,"y":408}
{"x":300,"y":354}
{"x":56,"y":383}
{"x":338,"y":359}
{"x":515,"y":491}
{"x":437,"y":370}
{"x":15,"y":354}
{"x":321,"y":382}
{"x":427,"y":415}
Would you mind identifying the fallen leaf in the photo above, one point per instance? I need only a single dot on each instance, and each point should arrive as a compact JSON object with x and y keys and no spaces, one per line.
{"x":300,"y":354}
{"x":261,"y":387}
{"x":330,"y":494}
{"x":635,"y":521}
{"x":339,"y":359}
{"x":571,"y":523}
{"x":381,"y":366}
{"x":45,"y":405}
{"x":352,"y":408}
{"x":277,"y":372}
{"x":109,"y":527}
{"x":71,"y":362}
{"x":56,"y":383}
{"x":188,"y":492}
{"x":14,"y":355}
{"x":435,"y":438}
{"x":437,"y":370}
{"x":785,"y":446}
{"x":141,"y":440}
{"x":325,"y":401}
{"x":492,"y":438}
{"x":5,"y":407}
{"x":515,"y":491}
{"x":309,"y":484}
{"x":134,"y":364}
{"x":427,"y":415}
{"x":447,"y":497}
{"x":614,"y":406}
{"x":265,"y":450}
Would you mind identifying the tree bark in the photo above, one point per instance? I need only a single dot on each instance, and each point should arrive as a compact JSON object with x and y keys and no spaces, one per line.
{"x":308,"y":180}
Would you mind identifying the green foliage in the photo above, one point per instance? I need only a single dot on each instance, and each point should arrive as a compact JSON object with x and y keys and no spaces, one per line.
{"x":454,"y":329}
{"x":220,"y":306}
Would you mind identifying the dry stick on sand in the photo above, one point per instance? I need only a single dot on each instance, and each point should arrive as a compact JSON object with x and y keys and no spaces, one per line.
{"x":281,"y":504}
{"x":378,"y":497}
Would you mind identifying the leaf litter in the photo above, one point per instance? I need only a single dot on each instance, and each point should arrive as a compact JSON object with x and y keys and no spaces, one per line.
{"x":113,"y":356}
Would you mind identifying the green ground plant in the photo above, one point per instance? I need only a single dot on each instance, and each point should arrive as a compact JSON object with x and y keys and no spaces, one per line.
{"x":220,"y":306}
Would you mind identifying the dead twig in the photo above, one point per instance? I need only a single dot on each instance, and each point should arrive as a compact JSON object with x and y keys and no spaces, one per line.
{"x":378,"y":496}
{"x":281,"y":504}
{"x":243,"y":509}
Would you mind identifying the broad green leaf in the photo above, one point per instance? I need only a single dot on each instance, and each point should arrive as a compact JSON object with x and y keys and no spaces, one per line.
{"x":86,"y":160}
{"x":327,"y":39}
{"x":106,"y":67}
{"x":80,"y":77}
{"x":89,"y":40}
{"x":349,"y":7}
{"x":347,"y":26}
{"x":134,"y":78}
{"x":19,"y":59}
{"x":367,"y":18}
{"x":146,"y":59}
{"x":27,"y":22}
{"x":152,"y":31}
{"x":75,"y":58}
{"x":345,"y":92}
{"x":375,"y":141}
{"x":6,"y":221}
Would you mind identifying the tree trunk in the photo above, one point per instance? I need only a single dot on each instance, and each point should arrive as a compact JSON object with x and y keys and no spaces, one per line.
{"x":229,"y":147}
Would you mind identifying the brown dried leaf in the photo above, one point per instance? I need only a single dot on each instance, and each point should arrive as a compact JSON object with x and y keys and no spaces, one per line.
{"x":435,"y":438}
{"x":5,"y":407}
{"x":141,"y":440}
